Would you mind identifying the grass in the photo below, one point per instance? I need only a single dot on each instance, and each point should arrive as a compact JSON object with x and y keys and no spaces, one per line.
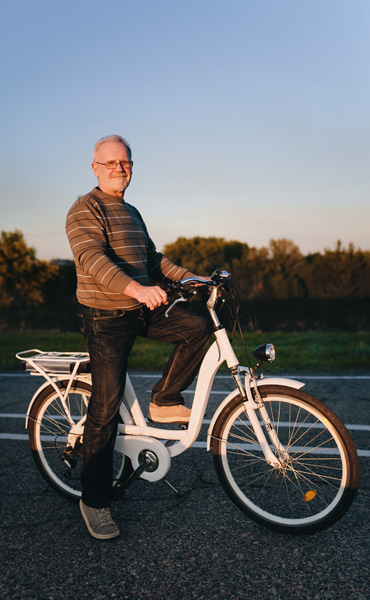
{"x":314,"y":351}
{"x":304,"y":352}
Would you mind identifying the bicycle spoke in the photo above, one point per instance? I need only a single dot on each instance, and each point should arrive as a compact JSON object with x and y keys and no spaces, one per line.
{"x":58,"y":452}
{"x":308,"y":480}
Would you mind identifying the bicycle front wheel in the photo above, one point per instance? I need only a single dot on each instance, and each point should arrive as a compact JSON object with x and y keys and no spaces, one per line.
{"x":49,"y":425}
{"x":318,"y":473}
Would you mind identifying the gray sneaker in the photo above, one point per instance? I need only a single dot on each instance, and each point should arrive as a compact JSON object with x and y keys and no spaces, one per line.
{"x":99,"y":522}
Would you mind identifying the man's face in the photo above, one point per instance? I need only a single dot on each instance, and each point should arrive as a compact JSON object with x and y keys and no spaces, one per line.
{"x":112,"y":181}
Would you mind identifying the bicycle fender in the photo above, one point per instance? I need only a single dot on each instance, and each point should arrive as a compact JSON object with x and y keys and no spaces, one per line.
{"x":33,"y":400}
{"x":39,"y":390}
{"x":292,"y":383}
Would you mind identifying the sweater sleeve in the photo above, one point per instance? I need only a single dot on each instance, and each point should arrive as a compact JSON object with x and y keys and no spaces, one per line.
{"x":160,"y":267}
{"x":86,"y":233}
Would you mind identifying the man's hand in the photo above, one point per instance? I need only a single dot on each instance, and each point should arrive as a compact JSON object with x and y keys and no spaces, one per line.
{"x":151,"y":296}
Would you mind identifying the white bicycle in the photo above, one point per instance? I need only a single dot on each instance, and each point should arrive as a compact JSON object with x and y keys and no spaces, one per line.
{"x":283,"y":457}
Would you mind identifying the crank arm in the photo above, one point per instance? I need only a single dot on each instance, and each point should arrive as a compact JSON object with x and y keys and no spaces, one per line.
{"x":146,"y":465}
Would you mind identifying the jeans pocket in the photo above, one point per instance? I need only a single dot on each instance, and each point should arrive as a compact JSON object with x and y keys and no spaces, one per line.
{"x":109,"y":325}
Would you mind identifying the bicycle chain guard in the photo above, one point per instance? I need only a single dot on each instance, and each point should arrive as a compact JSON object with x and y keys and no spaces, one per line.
{"x":149,"y":457}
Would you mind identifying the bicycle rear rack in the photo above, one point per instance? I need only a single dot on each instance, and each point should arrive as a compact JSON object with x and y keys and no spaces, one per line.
{"x":37,"y":362}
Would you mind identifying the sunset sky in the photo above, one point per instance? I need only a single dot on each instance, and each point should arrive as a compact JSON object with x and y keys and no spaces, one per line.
{"x":248,"y":119}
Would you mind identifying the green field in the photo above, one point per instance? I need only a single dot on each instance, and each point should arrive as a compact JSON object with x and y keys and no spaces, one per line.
{"x":310,"y":351}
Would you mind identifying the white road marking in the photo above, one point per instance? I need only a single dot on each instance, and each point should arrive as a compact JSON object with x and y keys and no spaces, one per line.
{"x":353,"y":427}
{"x":200,"y":445}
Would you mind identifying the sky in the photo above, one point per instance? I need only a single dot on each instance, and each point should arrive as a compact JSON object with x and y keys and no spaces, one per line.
{"x":248,"y":120}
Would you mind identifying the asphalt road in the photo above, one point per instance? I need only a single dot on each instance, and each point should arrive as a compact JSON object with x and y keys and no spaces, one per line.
{"x":198,"y":546}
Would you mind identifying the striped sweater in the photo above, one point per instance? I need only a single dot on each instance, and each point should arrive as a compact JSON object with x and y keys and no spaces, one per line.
{"x":111,"y":246}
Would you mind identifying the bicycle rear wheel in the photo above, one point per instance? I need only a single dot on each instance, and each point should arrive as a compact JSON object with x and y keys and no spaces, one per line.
{"x":59,"y":463}
{"x":312,"y":487}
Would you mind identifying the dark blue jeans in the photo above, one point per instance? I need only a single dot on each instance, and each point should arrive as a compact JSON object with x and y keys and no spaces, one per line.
{"x":110,"y":336}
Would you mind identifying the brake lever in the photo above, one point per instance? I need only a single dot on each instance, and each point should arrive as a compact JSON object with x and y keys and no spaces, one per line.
{"x":181,"y":299}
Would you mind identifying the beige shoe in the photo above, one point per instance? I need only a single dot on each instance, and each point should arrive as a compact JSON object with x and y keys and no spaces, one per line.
{"x":99,"y":522}
{"x":168,"y":414}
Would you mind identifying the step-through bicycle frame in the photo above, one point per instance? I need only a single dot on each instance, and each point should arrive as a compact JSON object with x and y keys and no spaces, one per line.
{"x":135,"y":435}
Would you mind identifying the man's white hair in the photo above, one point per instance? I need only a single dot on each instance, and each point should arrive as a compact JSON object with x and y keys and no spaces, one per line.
{"x":111,"y":138}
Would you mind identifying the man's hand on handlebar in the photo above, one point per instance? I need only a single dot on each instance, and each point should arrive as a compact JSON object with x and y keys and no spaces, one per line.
{"x":152,"y":296}
{"x":186,"y":287}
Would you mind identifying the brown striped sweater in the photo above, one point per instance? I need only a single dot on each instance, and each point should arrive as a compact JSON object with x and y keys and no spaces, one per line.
{"x":111,"y":246}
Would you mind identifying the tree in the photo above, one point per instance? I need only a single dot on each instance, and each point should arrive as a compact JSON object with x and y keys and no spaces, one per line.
{"x":274,"y":272}
{"x":286,"y":270}
{"x":339,"y":273}
{"x":22,"y":275}
{"x":203,"y":255}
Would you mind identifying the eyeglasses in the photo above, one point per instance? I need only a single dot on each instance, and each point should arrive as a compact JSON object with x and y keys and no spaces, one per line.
{"x":112,"y":164}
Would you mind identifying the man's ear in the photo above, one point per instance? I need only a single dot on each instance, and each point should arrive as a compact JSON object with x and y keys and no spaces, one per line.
{"x":95,"y":168}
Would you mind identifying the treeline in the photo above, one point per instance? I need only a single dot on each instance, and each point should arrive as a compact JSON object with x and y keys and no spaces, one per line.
{"x":34,"y":294}
{"x":280,"y":271}
{"x":279,"y":287}
{"x":282,"y":289}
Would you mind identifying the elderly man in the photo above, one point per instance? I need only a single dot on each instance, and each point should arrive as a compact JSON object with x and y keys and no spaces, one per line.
{"x":115,"y":262}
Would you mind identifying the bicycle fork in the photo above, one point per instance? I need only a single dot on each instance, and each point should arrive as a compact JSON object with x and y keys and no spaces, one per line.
{"x":253,"y":404}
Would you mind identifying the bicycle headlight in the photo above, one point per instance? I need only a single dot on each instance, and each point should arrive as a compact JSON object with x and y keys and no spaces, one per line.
{"x":265,"y":352}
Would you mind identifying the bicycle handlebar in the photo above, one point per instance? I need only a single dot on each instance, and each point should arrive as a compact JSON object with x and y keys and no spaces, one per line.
{"x":188,"y":286}
{"x":218,"y":278}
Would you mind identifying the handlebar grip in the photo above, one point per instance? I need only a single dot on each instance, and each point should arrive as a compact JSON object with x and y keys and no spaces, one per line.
{"x":180,"y":284}
{"x":217,"y":278}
